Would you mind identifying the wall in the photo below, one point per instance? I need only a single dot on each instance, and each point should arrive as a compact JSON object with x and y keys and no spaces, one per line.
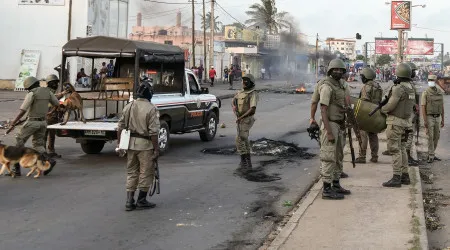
{"x":37,"y":27}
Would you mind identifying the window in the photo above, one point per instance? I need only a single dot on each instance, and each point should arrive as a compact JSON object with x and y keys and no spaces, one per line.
{"x":342,"y":43}
{"x":342,"y":49}
{"x":169,"y":42}
{"x":332,"y":43}
{"x":118,"y":18}
{"x":193,"y":87}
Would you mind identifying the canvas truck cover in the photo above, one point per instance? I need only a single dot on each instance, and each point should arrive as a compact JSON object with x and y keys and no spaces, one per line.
{"x":103,"y":46}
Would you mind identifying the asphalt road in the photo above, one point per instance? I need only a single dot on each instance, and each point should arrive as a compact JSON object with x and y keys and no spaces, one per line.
{"x":202,"y":205}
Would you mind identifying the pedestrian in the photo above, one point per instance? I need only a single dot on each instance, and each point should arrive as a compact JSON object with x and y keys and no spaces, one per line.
{"x":263,"y":72}
{"x":433,"y":115}
{"x":225,"y":74}
{"x":333,"y":97}
{"x":141,"y":118}
{"x":244,"y":106}
{"x":35,"y":105}
{"x":212,"y":75}
{"x":231,"y":76}
{"x":399,"y":109}
{"x":371,"y":92}
{"x":110,"y":68}
{"x":200,"y":71}
{"x":414,"y":119}
{"x":53,"y":116}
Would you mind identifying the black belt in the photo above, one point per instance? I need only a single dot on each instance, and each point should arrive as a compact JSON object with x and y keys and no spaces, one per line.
{"x":434,"y":115}
{"x":36,"y":119}
{"x":136,"y":135}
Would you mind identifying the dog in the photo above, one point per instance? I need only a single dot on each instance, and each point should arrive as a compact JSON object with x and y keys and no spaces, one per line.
{"x":26,"y":157}
{"x":72,"y":103}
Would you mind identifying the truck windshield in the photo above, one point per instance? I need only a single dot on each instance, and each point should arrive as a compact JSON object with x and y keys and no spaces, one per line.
{"x":164,"y":81}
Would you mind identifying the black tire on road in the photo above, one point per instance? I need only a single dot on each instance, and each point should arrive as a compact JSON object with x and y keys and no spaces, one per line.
{"x":92,"y":146}
{"x":210,"y":128}
{"x":163,"y":137}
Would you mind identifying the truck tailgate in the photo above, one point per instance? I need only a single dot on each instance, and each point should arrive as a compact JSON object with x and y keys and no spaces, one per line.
{"x":101,"y":126}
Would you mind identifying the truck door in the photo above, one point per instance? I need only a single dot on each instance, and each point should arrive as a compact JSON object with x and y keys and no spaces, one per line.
{"x":193,"y":104}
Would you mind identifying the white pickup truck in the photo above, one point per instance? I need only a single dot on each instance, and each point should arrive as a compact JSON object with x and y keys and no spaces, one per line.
{"x":191,"y":109}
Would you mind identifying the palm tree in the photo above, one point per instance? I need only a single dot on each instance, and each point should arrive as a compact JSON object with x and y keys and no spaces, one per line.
{"x":217,"y":24}
{"x":266,"y":16}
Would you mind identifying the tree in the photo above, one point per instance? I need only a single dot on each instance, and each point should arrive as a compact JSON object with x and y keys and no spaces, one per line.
{"x":217,"y":24}
{"x":383,"y":60}
{"x":266,"y":16}
{"x":360,"y":57}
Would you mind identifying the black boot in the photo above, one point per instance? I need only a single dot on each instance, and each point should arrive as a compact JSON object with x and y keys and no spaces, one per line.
{"x":394,"y":182}
{"x":344,"y":175}
{"x":360,"y":159}
{"x":52,"y":165}
{"x":142,"y":202}
{"x":411,"y":161}
{"x":241,"y":164}
{"x":130,"y":206}
{"x":328,"y":193}
{"x":249,"y":161}
{"x":405,"y":179}
{"x":339,"y":189}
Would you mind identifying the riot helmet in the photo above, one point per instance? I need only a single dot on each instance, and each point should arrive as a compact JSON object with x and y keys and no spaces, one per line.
{"x":30,"y":82}
{"x":52,"y":81}
{"x":367,"y":74}
{"x":145,"y":90}
{"x":403,"y":70}
{"x":248,"y":81}
{"x":336,"y":64}
{"x":413,"y":69}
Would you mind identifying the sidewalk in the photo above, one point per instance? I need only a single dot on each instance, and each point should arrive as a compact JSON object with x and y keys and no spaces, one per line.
{"x":372,"y":217}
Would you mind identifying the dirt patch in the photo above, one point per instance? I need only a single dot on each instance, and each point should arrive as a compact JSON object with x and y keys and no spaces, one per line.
{"x":426,"y":175}
{"x":432,"y":200}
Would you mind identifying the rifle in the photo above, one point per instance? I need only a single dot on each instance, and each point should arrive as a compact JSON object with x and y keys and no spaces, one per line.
{"x":417,"y":118}
{"x":352,"y":123}
{"x":155,"y":186}
{"x":235,"y":104}
{"x":12,"y":127}
{"x":380,"y":105}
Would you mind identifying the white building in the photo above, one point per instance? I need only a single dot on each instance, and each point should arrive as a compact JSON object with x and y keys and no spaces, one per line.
{"x":44,"y":26}
{"x":346,"y":47}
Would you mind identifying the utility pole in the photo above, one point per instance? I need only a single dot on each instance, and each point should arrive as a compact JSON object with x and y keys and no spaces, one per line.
{"x":69,"y":25}
{"x":317,"y":56}
{"x":365,"y":53}
{"x":193,"y":33}
{"x":400,"y":47}
{"x":204,"y":42}
{"x":211,"y":42}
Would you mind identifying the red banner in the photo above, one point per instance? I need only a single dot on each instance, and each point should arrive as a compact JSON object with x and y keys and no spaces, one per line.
{"x":415,"y":46}
{"x":401,"y":15}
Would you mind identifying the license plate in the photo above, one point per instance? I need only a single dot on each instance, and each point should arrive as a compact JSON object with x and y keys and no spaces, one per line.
{"x":94,"y":133}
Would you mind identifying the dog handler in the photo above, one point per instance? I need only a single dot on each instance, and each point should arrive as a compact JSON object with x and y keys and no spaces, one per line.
{"x":36,"y":106}
{"x":141,"y":118}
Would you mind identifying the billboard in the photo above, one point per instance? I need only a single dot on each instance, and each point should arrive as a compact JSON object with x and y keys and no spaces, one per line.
{"x":42,"y":2}
{"x":416,"y":46}
{"x":401,"y":15}
{"x":238,"y":34}
{"x":28,"y":67}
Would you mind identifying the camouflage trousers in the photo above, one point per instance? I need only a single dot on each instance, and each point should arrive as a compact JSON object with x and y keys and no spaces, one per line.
{"x":243,"y":131}
{"x":140,"y":170}
{"x":410,"y":137}
{"x":396,"y":144}
{"x":372,"y":140}
{"x":434,"y":132}
{"x":36,"y":129}
{"x":331,"y":154}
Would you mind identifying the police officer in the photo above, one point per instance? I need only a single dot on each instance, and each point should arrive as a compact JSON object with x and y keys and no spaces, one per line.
{"x":244,"y":106}
{"x":52,"y":117}
{"x":333,"y":99}
{"x":433,"y":115}
{"x":399,"y":109}
{"x":315,"y":98}
{"x":371,"y":92}
{"x":36,"y":105}
{"x":142,"y":119}
{"x":414,"y":119}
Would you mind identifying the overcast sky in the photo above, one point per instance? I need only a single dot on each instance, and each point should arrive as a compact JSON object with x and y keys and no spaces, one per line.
{"x":334,"y":18}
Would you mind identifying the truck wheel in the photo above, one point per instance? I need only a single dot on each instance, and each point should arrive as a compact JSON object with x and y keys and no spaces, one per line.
{"x":92,"y":146}
{"x":210,"y":128}
{"x":163,"y":137}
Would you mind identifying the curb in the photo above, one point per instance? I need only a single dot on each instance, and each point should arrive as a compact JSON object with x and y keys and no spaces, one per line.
{"x":420,"y":212}
{"x":298,"y":214}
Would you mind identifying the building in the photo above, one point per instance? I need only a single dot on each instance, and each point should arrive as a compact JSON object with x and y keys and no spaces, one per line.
{"x":344,"y":46}
{"x":44,"y":27}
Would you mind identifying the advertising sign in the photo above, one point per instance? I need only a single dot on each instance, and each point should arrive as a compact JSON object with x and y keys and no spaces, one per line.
{"x":28,"y":66}
{"x":42,"y":2}
{"x":232,"y":33}
{"x":416,"y":46}
{"x":400,"y":15}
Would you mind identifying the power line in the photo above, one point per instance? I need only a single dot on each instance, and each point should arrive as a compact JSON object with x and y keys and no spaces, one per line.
{"x":447,"y":31}
{"x":229,"y":14}
{"x":159,"y":12}
{"x":148,"y":17}
{"x":152,"y":1}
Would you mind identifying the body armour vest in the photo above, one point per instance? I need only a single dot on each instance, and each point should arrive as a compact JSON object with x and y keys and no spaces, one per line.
{"x":375,"y":93}
{"x":39,"y":107}
{"x":243,"y":100}
{"x":337,"y":102}
{"x":435,"y":100}
{"x":407,"y":101}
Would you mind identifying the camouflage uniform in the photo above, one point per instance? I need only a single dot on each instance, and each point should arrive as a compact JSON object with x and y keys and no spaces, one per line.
{"x":432,"y":103}
{"x":143,"y":123}
{"x":36,"y":104}
{"x":246,"y":99}
{"x":372,"y":92}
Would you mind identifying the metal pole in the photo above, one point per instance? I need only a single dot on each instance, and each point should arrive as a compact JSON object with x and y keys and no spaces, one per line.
{"x":400,"y":47}
{"x":442,"y":56}
{"x":193,"y":32}
{"x":69,"y":25}
{"x":317,"y":55}
{"x":211,"y":42}
{"x":204,"y":42}
{"x":365,"y":53}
